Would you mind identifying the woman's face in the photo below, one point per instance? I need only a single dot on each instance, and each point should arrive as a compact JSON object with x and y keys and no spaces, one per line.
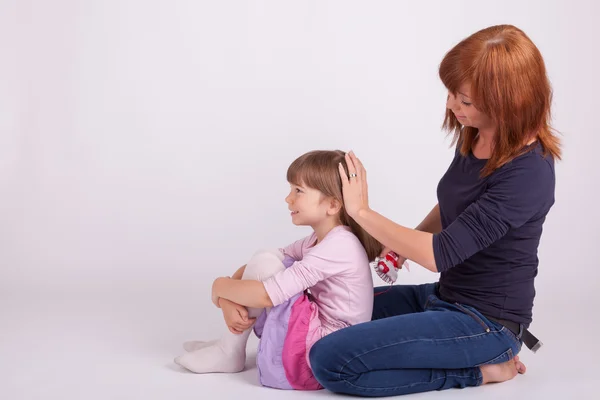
{"x":464,"y":110}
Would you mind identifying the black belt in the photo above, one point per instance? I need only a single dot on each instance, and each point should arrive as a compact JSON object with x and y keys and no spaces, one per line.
{"x":530,"y":341}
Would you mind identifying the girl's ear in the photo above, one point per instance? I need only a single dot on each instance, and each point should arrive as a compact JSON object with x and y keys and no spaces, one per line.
{"x":334,"y":206}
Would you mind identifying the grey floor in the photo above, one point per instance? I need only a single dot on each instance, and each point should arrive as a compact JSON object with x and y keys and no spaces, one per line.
{"x":111,"y":345}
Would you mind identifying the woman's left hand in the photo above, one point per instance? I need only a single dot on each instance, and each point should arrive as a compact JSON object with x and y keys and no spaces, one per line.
{"x":354,"y":186}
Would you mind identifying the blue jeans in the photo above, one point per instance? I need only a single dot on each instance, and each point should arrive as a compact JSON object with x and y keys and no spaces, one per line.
{"x":415,"y":343}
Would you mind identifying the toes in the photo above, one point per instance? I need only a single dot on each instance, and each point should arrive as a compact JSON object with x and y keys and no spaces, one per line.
{"x":521,"y":369}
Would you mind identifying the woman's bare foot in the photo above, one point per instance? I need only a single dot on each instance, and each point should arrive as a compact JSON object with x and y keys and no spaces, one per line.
{"x":502,"y":372}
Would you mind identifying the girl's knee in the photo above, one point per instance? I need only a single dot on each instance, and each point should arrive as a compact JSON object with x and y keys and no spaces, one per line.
{"x":264,"y":264}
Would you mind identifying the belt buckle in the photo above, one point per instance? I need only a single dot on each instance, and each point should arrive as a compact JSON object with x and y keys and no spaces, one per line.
{"x":533,"y":343}
{"x":536,"y":347}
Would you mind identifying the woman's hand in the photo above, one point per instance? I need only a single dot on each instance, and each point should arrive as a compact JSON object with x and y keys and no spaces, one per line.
{"x":401,"y":260}
{"x":354,"y":186}
{"x":235,"y":316}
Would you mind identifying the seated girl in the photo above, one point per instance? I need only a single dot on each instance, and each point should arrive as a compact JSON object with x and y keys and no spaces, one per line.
{"x":330,"y":267}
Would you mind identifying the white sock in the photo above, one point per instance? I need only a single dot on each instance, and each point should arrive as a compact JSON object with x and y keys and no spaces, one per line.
{"x":197,"y":344}
{"x":227,"y":354}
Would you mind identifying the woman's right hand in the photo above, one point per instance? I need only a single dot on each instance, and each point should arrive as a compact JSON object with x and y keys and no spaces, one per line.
{"x":401,"y":260}
{"x":235,"y":316}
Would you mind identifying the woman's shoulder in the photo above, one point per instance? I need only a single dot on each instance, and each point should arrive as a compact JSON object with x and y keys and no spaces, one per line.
{"x":533,"y":163}
{"x":528,"y":179}
{"x":534,"y":153}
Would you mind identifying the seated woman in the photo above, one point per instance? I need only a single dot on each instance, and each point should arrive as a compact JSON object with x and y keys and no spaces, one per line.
{"x":482,"y":236}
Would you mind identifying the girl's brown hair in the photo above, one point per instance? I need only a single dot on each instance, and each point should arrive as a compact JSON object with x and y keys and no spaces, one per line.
{"x":509,"y":84}
{"x":319,"y":170}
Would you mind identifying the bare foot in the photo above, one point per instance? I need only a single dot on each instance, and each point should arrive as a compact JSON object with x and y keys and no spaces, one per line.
{"x":502,"y":372}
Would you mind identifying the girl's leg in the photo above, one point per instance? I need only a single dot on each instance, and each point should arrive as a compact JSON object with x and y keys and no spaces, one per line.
{"x":440,"y":348}
{"x":389,"y":301}
{"x":228,"y":354}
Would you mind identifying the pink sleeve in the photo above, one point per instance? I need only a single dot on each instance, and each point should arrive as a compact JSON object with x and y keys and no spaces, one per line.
{"x":296,"y":249}
{"x":329,"y":258}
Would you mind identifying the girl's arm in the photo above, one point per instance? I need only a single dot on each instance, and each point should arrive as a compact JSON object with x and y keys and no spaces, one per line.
{"x":249,"y":293}
{"x":236,"y":275}
{"x":334,"y":256}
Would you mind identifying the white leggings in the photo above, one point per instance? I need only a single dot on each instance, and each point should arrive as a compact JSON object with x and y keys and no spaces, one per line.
{"x":263,"y":265}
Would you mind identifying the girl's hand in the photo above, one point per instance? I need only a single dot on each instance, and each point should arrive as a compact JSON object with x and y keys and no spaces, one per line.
{"x":235,"y":316}
{"x":354,"y":186}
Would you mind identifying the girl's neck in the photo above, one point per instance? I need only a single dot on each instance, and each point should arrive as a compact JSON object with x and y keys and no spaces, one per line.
{"x":324,"y":227}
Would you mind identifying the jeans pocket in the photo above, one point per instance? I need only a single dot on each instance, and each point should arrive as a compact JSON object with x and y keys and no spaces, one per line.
{"x":504,"y":357}
{"x":431,"y":301}
{"x":474,"y":316}
{"x":513,"y":338}
{"x":514,"y":335}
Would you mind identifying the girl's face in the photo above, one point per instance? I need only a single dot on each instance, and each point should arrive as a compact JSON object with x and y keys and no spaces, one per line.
{"x":464,"y":110}
{"x":309,"y":206}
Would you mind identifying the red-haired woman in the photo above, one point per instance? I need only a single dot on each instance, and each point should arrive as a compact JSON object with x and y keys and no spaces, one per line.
{"x":482,"y":236}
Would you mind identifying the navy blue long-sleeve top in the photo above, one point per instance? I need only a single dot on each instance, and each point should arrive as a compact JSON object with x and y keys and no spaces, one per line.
{"x":491,"y":228}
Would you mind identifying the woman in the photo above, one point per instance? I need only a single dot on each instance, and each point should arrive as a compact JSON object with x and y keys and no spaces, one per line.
{"x":483,"y":236}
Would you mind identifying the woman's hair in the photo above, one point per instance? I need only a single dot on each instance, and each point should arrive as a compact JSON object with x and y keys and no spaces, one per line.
{"x":319,"y":170}
{"x":508,"y":81}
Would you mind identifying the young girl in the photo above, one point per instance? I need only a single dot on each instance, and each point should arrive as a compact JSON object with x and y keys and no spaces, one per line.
{"x":332,"y":262}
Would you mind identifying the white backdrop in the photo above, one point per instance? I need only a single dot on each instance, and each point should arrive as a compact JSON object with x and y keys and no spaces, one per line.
{"x":144,"y":145}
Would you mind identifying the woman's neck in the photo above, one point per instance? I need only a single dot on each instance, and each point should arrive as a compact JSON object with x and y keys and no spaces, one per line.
{"x":484,"y":144}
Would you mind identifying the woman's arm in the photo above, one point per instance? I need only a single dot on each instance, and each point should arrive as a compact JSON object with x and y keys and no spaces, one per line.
{"x":432,"y":222}
{"x":413,"y":244}
{"x":509,"y":201}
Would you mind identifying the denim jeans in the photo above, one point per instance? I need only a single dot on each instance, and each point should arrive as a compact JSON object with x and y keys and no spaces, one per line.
{"x":415,"y":343}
